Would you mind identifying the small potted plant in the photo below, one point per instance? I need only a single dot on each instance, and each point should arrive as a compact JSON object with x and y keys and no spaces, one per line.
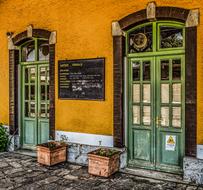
{"x":103,"y":162}
{"x":51,"y":153}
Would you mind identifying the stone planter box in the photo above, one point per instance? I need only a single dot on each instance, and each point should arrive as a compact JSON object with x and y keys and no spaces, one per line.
{"x":51,"y":153}
{"x":103,"y":165}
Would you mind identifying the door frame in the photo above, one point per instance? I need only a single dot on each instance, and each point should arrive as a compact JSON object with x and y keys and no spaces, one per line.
{"x":14,"y":67}
{"x":119,"y":27}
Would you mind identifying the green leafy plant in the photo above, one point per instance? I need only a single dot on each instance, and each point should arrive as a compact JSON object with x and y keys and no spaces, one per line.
{"x":105,"y":152}
{"x":4,"y":138}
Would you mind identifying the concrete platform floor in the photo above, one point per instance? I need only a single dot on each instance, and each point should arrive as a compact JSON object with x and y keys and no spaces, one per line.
{"x":19,"y":171}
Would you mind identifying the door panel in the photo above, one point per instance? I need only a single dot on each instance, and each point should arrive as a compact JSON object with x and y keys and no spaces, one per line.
{"x":29,"y":105}
{"x":170,"y":112}
{"x":35,"y":105}
{"x":29,"y":132}
{"x":156,"y":112}
{"x":43,"y":103}
{"x":141,"y":112}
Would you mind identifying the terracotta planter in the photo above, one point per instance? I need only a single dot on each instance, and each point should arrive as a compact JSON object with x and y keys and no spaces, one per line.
{"x":103,"y":165}
{"x":51,"y":156}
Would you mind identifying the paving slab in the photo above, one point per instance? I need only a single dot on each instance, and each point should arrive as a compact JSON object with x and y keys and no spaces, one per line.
{"x":18,"y":171}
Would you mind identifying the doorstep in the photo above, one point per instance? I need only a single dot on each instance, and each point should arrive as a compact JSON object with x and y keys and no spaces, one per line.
{"x":155,"y":175}
{"x":27,"y":152}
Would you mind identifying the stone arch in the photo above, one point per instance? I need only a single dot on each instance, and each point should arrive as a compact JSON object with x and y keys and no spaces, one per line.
{"x":191,"y":20}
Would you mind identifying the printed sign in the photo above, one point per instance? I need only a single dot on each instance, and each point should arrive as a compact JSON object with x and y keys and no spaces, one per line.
{"x":170,"y":142}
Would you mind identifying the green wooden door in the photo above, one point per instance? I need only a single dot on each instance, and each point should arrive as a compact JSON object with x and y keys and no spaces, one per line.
{"x":35,"y":104}
{"x":156,"y":112}
{"x":155,"y":96}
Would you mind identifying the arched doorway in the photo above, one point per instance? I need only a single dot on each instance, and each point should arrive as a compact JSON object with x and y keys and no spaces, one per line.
{"x":34,"y":93}
{"x":156,"y":95}
{"x":188,"y":20}
{"x":32,"y":86}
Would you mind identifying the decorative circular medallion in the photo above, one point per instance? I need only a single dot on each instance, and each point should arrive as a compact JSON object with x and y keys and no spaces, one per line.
{"x":140,"y":41}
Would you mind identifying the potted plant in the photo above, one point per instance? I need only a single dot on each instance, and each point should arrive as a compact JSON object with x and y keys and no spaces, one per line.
{"x":51,"y":153}
{"x":103,"y":162}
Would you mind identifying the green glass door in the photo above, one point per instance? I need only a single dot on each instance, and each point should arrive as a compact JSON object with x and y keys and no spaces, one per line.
{"x":156,"y":112}
{"x":170,"y":102}
{"x":35,"y":104}
{"x":156,"y":95}
{"x":141,"y":112}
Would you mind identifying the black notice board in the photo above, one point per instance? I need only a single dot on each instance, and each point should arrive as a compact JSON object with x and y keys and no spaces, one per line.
{"x":82,"y":79}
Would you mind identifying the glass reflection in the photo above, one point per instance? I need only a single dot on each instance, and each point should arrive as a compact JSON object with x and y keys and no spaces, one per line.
{"x":165,"y":116}
{"x":177,"y":93}
{"x":32,"y":94}
{"x":176,"y":117}
{"x":171,"y":37}
{"x":28,"y":52}
{"x":43,"y":50}
{"x":164,"y":69}
{"x":43,"y":92}
{"x":136,"y":114}
{"x":136,"y":93}
{"x":176,"y":69}
{"x":146,"y":115}
{"x":146,"y":70}
{"x":26,"y":75}
{"x":26,"y":109}
{"x":165,"y":93}
{"x":136,"y":71}
{"x":146,"y":93}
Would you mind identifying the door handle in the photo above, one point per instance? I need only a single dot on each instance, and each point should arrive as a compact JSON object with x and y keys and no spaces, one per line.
{"x":158,"y":121}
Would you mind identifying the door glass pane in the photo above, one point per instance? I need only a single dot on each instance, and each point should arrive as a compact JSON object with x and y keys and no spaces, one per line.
{"x":26,"y":92}
{"x":146,"y":93}
{"x":164,"y":69}
{"x":136,"y":92}
{"x":28,"y":52}
{"x":136,"y":114}
{"x":146,"y":115}
{"x":176,"y":117}
{"x":43,"y":112}
{"x":47,"y":92}
{"x":47,"y":110}
{"x":32,"y":75}
{"x":26,"y":109}
{"x":43,"y":74}
{"x":165,"y":116}
{"x":43,"y":50}
{"x":140,"y":40}
{"x":47,"y":75}
{"x":136,"y":71}
{"x":26,"y":75}
{"x":32,"y":109}
{"x":165,"y":93}
{"x":171,"y":37}
{"x":146,"y":70}
{"x":43,"y":92}
{"x":176,"y":69}
{"x":32,"y":94}
{"x":176,"y":93}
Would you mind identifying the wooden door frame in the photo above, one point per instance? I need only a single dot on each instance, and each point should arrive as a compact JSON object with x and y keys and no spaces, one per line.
{"x":13,"y":43}
{"x":142,"y":16}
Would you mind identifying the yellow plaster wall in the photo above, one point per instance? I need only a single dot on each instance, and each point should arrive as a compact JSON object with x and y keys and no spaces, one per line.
{"x":83,"y":31}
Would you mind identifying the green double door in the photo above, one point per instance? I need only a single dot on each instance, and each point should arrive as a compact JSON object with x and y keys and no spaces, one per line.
{"x":156,"y":112}
{"x":35,"y":104}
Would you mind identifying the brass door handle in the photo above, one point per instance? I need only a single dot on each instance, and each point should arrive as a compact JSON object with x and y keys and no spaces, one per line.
{"x":158,"y":121}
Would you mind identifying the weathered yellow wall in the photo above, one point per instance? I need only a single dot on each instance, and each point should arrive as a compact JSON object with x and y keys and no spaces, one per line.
{"x":83,"y":31}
